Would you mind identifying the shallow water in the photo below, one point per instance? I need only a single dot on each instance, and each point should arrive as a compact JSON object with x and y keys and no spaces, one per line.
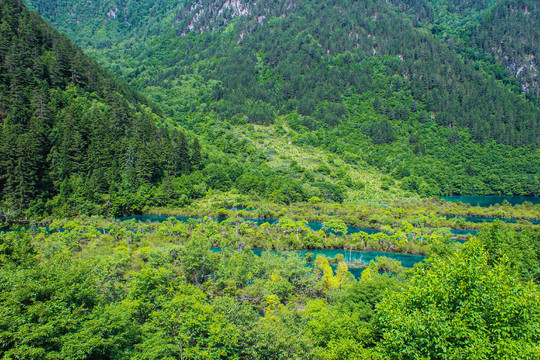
{"x":464,"y":232}
{"x":486,"y":201}
{"x":406,"y":260}
{"x":365,"y":257}
{"x":315,"y":226}
{"x":479,"y":219}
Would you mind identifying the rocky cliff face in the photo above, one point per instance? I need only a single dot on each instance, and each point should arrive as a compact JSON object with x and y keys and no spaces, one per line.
{"x":192,"y":15}
{"x":209,"y":15}
{"x":510,"y":33}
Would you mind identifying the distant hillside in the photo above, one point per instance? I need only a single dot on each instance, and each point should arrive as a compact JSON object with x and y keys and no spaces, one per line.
{"x":510,"y":32}
{"x":498,"y":34}
{"x":393,"y":85}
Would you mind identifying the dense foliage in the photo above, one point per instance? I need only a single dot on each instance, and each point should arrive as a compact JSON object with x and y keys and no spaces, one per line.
{"x":112,"y":290}
{"x":497,"y":35}
{"x":76,"y":140}
{"x":408,"y":87}
{"x":70,"y":130}
{"x":462,"y":308}
{"x":269,"y":116}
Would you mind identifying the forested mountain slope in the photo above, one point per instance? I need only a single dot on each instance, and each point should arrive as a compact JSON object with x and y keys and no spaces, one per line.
{"x":296,"y":104}
{"x":510,"y":33}
{"x":76,"y":140}
{"x":497,"y":34}
{"x":329,"y":43}
{"x":72,"y":136}
{"x":367,"y":80}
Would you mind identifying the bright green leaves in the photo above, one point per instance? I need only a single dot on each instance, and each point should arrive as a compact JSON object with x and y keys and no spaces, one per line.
{"x":41,"y":306}
{"x":16,"y":250}
{"x":462,"y":307}
{"x":157,"y":290}
{"x":196,"y":259}
{"x":521,"y":249}
{"x":186,"y":327}
{"x":108,"y":332}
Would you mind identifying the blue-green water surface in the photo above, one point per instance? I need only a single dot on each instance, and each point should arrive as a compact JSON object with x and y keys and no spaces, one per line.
{"x":464,"y":232}
{"x":315,"y":226}
{"x":364,"y":257}
{"x":479,"y":219}
{"x":486,"y":201}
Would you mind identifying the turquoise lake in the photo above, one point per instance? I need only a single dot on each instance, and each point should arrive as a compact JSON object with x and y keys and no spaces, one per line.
{"x":365,"y":257}
{"x":350,"y":256}
{"x":486,"y":201}
{"x":407,"y":260}
{"x":315,"y":226}
{"x":478,"y":219}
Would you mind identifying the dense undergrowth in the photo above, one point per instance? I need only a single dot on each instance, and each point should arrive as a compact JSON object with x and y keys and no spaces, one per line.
{"x":118,"y":290}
